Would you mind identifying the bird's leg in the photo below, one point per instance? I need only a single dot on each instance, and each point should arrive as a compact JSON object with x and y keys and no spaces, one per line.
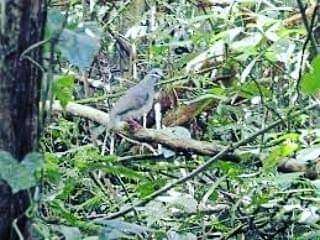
{"x":144,"y":124}
{"x":157,"y":111}
{"x":144,"y":120}
{"x":112,"y":138}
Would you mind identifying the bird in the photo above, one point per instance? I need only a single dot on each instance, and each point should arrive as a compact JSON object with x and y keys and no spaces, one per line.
{"x":136,"y":102}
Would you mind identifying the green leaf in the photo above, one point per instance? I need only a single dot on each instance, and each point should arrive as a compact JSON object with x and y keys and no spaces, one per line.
{"x":214,"y":196}
{"x":231,"y":169}
{"x":33,"y":162}
{"x":15,"y":174}
{"x":278,"y":153}
{"x":79,"y":48}
{"x":147,"y":187}
{"x":6,"y":159}
{"x":311,"y":81}
{"x":250,"y":89}
{"x":123,"y":171}
{"x":63,"y":89}
{"x":20,"y":180}
{"x":51,"y":168}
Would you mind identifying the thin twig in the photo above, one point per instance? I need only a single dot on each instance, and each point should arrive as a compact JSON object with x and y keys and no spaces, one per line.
{"x":307,"y":26}
{"x":309,"y":37}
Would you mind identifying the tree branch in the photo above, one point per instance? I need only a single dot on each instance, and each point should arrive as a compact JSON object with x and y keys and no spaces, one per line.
{"x":195,"y":172}
{"x":204,"y":166}
{"x":147,"y":135}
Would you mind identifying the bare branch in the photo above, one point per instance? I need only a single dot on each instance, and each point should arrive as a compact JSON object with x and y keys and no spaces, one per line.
{"x":147,"y":135}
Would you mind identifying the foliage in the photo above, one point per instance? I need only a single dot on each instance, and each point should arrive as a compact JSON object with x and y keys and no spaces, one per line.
{"x":63,"y":89}
{"x":231,"y":69}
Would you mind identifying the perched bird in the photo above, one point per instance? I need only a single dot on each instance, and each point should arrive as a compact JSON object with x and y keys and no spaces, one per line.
{"x":136,"y":102}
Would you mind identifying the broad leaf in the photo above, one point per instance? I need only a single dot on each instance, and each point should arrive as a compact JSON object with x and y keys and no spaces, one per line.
{"x":311,"y":81}
{"x":79,"y":47}
{"x":183,"y":201}
{"x":17,"y":175}
{"x":155,"y":211}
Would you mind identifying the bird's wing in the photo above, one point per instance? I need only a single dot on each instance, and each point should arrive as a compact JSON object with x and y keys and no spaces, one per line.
{"x":132,"y":101}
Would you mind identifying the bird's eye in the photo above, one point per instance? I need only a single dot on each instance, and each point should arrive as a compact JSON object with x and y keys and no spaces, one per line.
{"x":156,"y":73}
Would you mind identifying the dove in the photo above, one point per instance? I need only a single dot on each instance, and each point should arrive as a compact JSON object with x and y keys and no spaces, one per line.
{"x":136,"y":102}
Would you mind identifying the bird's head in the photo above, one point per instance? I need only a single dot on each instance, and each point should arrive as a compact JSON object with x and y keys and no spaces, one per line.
{"x":154,"y":75}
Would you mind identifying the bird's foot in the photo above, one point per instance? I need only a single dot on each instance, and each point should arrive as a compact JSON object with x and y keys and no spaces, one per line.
{"x":134,"y":125}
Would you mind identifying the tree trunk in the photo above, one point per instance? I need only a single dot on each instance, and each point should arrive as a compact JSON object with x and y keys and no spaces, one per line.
{"x":21,"y":26}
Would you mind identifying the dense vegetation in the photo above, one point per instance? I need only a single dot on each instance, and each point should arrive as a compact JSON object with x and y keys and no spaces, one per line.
{"x":240,"y":87}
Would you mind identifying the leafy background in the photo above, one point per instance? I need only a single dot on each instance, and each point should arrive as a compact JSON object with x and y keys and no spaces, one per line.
{"x":231,"y":68}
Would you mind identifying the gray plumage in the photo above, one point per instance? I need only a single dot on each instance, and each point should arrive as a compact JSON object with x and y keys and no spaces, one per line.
{"x":136,"y":102}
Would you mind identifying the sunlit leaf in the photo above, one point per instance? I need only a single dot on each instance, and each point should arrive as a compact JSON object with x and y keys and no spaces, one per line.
{"x":172,"y":235}
{"x":155,"y":211}
{"x":63,"y":89}
{"x":311,"y":81}
{"x":307,"y":154}
{"x":278,"y":153}
{"x":182,"y":201}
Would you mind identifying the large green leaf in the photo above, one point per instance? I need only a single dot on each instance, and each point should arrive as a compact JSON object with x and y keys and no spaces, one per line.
{"x":79,"y":47}
{"x":19,"y":175}
{"x":311,"y":81}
